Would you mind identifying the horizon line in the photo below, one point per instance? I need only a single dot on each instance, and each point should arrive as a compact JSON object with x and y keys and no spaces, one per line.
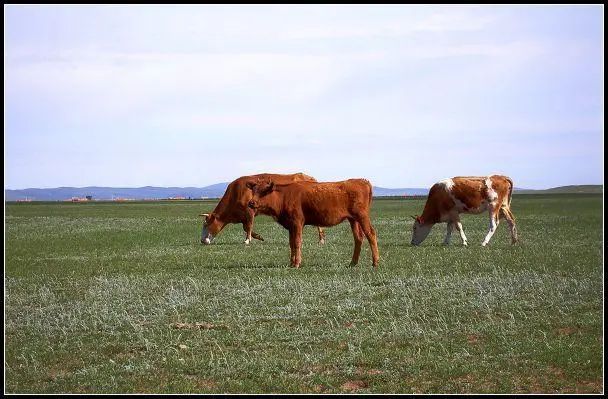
{"x":189,"y":186}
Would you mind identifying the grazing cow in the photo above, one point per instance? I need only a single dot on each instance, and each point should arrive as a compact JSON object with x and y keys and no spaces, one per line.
{"x":450,"y":197}
{"x":318,"y":204}
{"x":233,"y":208}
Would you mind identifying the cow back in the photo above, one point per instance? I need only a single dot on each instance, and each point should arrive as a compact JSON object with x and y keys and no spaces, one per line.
{"x":327,"y":203}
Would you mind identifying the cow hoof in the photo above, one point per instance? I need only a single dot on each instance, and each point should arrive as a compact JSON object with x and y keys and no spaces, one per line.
{"x":353,"y":264}
{"x":464,"y":244}
{"x":247,"y":242}
{"x":322,"y":241}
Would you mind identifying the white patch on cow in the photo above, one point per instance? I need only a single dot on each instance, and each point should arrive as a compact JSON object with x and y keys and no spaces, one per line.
{"x":493,"y":226}
{"x":492,"y":195}
{"x":447,"y":184}
{"x":206,"y":237}
{"x":459,"y":206}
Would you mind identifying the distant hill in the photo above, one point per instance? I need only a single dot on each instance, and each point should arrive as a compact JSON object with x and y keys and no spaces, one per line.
{"x":576,"y":189}
{"x":109,"y":193}
{"x":216,"y":191}
{"x":148,"y":192}
{"x":388,"y":192}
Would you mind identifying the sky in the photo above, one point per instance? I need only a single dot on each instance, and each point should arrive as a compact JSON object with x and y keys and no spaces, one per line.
{"x":131,"y":96}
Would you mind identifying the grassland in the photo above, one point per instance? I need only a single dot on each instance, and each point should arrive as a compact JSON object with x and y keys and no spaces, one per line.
{"x":117,"y":298}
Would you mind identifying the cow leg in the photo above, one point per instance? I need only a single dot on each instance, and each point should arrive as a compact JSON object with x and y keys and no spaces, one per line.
{"x":292,"y":246}
{"x":461,"y":232}
{"x":321,"y":236}
{"x":448,"y":234}
{"x":248,"y":227}
{"x":493,"y":212}
{"x":298,"y":245}
{"x":256,"y":236}
{"x":370,"y":233}
{"x":358,"y":236}
{"x":506,"y":213}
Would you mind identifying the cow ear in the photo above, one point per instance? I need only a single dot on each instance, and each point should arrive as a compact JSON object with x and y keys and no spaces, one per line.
{"x":270,"y":186}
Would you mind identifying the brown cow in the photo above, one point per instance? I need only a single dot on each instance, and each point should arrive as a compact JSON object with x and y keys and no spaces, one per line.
{"x":318,"y":204}
{"x":233,"y":208}
{"x":450,"y":197}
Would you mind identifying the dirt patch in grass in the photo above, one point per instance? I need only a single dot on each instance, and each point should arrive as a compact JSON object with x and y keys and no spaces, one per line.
{"x":343,"y":346}
{"x":589,"y":386}
{"x":64,"y":369}
{"x":473,"y":339}
{"x":567,"y":331}
{"x":55,"y":374}
{"x":353,"y":386}
{"x":556,"y":381}
{"x":202,"y":383}
{"x":319,"y":388}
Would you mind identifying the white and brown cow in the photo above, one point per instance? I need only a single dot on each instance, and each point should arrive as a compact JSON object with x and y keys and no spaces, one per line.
{"x":450,"y":197}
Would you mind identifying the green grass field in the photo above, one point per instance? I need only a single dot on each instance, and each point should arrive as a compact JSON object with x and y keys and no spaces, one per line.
{"x":106,"y":297}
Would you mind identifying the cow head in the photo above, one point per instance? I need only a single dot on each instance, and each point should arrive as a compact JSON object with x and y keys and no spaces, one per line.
{"x":259,"y":190}
{"x":211,"y":227}
{"x":420,"y":230}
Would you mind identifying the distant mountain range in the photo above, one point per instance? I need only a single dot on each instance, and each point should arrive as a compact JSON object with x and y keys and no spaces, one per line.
{"x":148,"y":192}
{"x":214,"y":191}
{"x":109,"y":193}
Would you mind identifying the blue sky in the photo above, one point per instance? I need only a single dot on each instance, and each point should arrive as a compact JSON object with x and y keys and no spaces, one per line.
{"x":402,"y":95}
